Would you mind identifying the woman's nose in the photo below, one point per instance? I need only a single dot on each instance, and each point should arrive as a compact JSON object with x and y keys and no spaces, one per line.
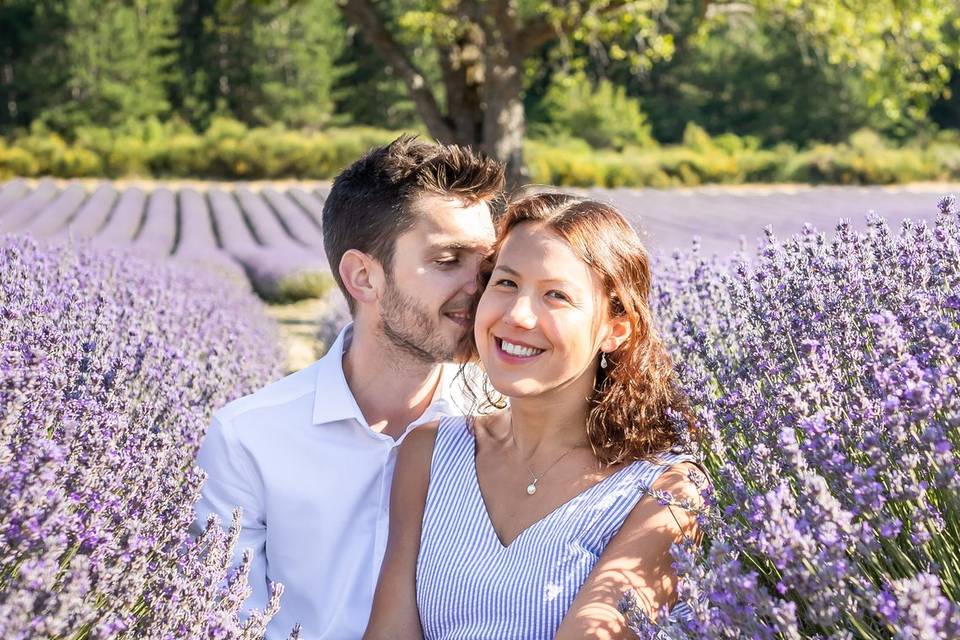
{"x":520,"y":313}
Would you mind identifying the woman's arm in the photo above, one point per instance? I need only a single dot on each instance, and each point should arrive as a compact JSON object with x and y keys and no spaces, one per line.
{"x":394,"y":615}
{"x":637,"y":558}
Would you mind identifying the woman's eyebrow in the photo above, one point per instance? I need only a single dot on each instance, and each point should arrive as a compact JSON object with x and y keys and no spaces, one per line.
{"x":510,"y":270}
{"x":558,"y":281}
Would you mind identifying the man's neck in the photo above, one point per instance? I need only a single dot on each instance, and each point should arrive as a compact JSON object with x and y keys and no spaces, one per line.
{"x":390,"y":388}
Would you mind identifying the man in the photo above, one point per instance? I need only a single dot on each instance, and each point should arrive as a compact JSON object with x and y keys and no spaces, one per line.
{"x":309,"y":458}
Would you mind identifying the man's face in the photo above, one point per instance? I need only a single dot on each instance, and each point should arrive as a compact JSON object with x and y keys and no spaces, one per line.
{"x":424,"y":309}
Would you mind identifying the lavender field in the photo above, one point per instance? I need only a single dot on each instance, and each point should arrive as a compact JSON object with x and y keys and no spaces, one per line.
{"x":824,"y":368}
{"x":826,"y":375}
{"x":110,"y":369}
{"x":270,"y":239}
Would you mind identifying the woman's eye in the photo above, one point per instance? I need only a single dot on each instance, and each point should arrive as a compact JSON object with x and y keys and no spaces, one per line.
{"x":504,"y":282}
{"x":558,"y":295}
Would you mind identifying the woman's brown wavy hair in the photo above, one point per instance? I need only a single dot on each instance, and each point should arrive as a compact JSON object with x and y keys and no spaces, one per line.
{"x":637,"y":409}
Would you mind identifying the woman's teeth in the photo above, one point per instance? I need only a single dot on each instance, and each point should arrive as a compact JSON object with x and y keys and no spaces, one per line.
{"x":518,"y":350}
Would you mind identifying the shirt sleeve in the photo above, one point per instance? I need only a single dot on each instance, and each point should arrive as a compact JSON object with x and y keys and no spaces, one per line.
{"x":233,"y":481}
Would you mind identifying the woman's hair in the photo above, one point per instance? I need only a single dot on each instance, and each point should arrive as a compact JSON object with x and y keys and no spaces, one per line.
{"x":636,"y":409}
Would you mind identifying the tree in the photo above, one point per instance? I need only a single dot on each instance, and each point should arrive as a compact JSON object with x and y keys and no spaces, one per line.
{"x":262,"y":63}
{"x":84,"y":61}
{"x":117,"y":63}
{"x":480,"y":48}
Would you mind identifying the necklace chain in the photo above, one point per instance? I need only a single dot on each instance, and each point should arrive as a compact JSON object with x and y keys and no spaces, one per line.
{"x":532,"y":487}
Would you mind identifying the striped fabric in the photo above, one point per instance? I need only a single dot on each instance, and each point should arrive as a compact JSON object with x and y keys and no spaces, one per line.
{"x":471,"y":587}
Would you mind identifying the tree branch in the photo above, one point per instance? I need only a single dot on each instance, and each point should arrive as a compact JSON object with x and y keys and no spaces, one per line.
{"x":540,"y":31}
{"x":364,"y":15}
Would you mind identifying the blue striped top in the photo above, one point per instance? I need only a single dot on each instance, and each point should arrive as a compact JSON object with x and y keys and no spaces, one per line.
{"x":471,"y":587}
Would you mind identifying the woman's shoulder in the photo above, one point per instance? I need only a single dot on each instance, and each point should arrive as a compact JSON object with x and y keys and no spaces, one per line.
{"x":419,"y":441}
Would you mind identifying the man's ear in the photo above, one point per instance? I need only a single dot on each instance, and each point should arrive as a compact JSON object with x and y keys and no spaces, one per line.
{"x":362,"y":276}
{"x":618,"y":332}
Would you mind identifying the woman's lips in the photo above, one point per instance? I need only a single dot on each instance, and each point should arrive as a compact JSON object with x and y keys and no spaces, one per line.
{"x":519,"y":353}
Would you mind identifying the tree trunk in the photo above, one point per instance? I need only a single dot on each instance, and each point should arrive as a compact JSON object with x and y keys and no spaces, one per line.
{"x":482,"y":77}
{"x":504,"y":123}
{"x":484,"y":108}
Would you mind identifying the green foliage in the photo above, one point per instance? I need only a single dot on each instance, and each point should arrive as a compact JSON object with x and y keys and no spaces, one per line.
{"x":778,"y":71}
{"x":293,"y":68}
{"x":16,"y":161}
{"x":601,"y":114}
{"x":69,"y":64}
{"x":368,"y":92}
{"x":228,"y":149}
{"x":901,"y":50}
{"x":261,"y":63}
{"x":751,"y":78}
{"x":117,"y":63}
{"x":866,"y":158}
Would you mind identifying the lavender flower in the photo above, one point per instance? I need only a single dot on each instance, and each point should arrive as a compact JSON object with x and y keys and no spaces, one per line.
{"x":826,"y":377}
{"x":110,"y":368}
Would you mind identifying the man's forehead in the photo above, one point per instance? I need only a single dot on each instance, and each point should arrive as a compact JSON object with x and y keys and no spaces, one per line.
{"x":448,"y":221}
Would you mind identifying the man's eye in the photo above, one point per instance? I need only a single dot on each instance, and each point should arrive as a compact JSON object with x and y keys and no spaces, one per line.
{"x":447,"y":262}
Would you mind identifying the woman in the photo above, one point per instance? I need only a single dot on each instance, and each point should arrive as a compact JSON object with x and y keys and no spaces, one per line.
{"x":532,"y":522}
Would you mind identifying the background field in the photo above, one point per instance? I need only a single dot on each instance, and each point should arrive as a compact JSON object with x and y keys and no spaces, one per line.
{"x":267,"y":236}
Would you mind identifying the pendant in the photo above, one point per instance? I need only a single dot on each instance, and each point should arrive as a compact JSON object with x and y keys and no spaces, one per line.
{"x":531,"y":488}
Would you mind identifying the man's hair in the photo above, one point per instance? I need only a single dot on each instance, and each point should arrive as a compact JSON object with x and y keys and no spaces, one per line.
{"x":370,"y":204}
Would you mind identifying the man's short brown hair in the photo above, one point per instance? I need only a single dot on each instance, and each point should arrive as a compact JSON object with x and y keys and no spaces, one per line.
{"x":369,"y":206}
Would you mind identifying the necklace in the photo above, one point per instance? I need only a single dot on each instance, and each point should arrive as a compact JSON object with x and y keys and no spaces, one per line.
{"x":532,"y":487}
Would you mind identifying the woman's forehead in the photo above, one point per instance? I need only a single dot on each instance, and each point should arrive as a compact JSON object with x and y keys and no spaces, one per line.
{"x":536,"y":251}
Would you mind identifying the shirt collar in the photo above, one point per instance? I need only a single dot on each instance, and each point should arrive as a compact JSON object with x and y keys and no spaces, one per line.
{"x":334,"y":400}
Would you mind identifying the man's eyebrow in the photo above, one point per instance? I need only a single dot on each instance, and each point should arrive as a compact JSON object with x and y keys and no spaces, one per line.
{"x":459,"y":245}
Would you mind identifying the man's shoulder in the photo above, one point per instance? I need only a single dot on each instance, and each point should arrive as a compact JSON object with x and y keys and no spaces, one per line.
{"x":276,"y":396}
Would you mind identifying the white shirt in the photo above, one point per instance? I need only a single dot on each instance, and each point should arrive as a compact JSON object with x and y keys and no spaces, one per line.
{"x":313,"y":481}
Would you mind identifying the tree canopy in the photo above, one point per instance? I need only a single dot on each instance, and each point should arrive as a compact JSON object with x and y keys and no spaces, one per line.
{"x":488,"y":73}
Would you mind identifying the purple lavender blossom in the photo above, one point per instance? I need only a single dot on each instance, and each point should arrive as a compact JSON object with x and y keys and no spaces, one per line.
{"x":110,"y":368}
{"x":826,"y":376}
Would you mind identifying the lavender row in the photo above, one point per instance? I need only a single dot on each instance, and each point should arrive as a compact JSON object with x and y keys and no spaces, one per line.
{"x":826,"y":375}
{"x":272,"y":240}
{"x":282,"y":271}
{"x":110,"y":368}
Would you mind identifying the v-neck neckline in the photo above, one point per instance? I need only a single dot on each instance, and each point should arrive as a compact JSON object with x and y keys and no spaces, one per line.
{"x":533,"y":525}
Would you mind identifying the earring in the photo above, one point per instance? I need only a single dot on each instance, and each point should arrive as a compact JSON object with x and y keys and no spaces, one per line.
{"x":603,"y":360}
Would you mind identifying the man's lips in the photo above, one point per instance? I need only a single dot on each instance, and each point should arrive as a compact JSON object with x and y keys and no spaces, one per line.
{"x":460,"y":317}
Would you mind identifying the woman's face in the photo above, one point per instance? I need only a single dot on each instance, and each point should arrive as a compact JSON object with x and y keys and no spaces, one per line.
{"x":543,"y":316}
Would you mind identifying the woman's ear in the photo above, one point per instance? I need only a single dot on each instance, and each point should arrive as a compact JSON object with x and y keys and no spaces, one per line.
{"x":362,"y":276}
{"x":618,"y":332}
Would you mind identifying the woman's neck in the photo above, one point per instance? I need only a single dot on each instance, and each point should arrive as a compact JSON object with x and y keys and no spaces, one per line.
{"x":548,"y":423}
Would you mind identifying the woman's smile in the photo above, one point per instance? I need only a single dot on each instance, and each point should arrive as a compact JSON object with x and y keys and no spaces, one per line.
{"x":515,"y":351}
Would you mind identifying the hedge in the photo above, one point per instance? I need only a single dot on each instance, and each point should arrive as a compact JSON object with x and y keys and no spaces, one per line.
{"x":230,"y":150}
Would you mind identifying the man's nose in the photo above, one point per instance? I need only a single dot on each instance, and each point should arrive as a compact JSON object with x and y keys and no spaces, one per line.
{"x":470,"y":285}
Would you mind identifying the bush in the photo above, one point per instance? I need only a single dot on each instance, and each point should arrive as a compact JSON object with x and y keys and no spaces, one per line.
{"x":824,"y":376}
{"x":110,"y":369}
{"x":17,"y":162}
{"x":228,"y":149}
{"x":601,"y":114}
